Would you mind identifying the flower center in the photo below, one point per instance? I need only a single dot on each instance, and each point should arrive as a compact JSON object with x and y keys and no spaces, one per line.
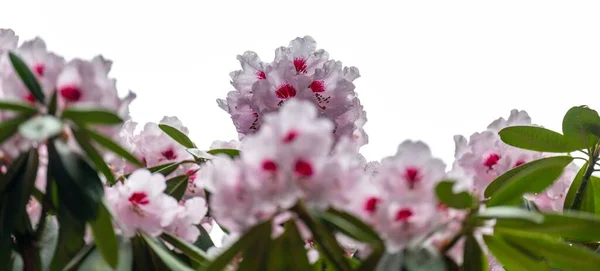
{"x":371,"y":204}
{"x":261,"y":75}
{"x":39,"y":69}
{"x":520,"y":162}
{"x":491,"y":160}
{"x":412,"y":176}
{"x":290,"y":136}
{"x":403,"y":215}
{"x":139,"y":198}
{"x":300,"y":65}
{"x":29,"y":97}
{"x":71,"y":93}
{"x":286,"y":91}
{"x":303,"y":168}
{"x":269,"y":166}
{"x":317,"y":86}
{"x":169,"y":154}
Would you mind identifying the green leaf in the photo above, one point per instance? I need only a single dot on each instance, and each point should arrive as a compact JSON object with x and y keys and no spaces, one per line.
{"x":91,"y":116}
{"x":104,"y":236}
{"x":326,"y":241}
{"x":474,"y":258}
{"x":168,"y":259}
{"x":177,"y":186}
{"x":446,"y":195}
{"x":243,"y":243}
{"x":18,"y":107}
{"x":558,"y":253}
{"x":424,"y":260}
{"x":502,"y":212}
{"x":96,"y":262}
{"x":576,"y":226}
{"x":70,"y":240}
{"x":536,"y":139}
{"x":41,"y":128}
{"x":144,"y":258}
{"x":511,"y":257}
{"x":204,"y":242}
{"x":81,"y":256}
{"x":579,"y":126}
{"x":351,"y":226}
{"x":574,"y":186}
{"x":53,"y":103}
{"x":79,"y":187}
{"x":391,"y":262}
{"x":95,"y":157}
{"x":256,"y":257}
{"x":288,"y":252}
{"x":189,"y":250}
{"x":111,"y":146}
{"x":229,"y":152}
{"x":177,"y":135}
{"x":199,"y":154}
{"x":10,"y":127}
{"x":532,"y":177}
{"x":594,"y":190}
{"x":27,"y":77}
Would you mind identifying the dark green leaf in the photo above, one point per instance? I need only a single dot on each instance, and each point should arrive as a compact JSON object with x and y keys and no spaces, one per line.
{"x":41,"y":128}
{"x":373,"y":260}
{"x":95,"y":157}
{"x":351,"y":226}
{"x":18,"y":107}
{"x":391,"y":262}
{"x":325,"y":240}
{"x":576,"y":226}
{"x":511,"y":257}
{"x":177,"y":186}
{"x":96,"y":262}
{"x":423,"y":260}
{"x":168,"y":259}
{"x":574,"y":186}
{"x":91,"y":116}
{"x":53,"y":103}
{"x":229,"y":152}
{"x":112,"y":146}
{"x":79,"y":187}
{"x":188,"y":249}
{"x":446,"y":195}
{"x":536,"y":139}
{"x":104,"y":236}
{"x":81,"y":256}
{"x":10,"y":127}
{"x":27,"y":77}
{"x":243,"y":243}
{"x":579,"y":125}
{"x":474,"y":258}
{"x":144,"y":257}
{"x":70,"y":240}
{"x":288,"y":252}
{"x":13,"y":170}
{"x":532,"y":177}
{"x":511,"y":213}
{"x":558,"y":253}
{"x":204,"y":242}
{"x":256,"y":257}
{"x":177,"y":135}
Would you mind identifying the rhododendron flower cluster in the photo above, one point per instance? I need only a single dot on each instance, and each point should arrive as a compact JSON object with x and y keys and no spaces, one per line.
{"x":81,"y":189}
{"x":298,"y":71}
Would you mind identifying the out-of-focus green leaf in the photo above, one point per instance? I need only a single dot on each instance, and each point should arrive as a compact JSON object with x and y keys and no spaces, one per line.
{"x":27,"y":77}
{"x":350,"y":226}
{"x":18,"y":107}
{"x":229,"y":152}
{"x":163,"y":253}
{"x":111,"y":146}
{"x":91,"y":116}
{"x":177,"y":135}
{"x":446,"y":195}
{"x":288,"y":252}
{"x":511,"y":213}
{"x":176,"y":186}
{"x":104,"y":236}
{"x":204,"y":242}
{"x":576,"y":226}
{"x":95,"y":261}
{"x":41,"y":128}
{"x":474,"y":258}
{"x":10,"y":127}
{"x":95,"y":157}
{"x":511,"y":257}
{"x":70,"y":240}
{"x":188,"y":249}
{"x":256,"y":256}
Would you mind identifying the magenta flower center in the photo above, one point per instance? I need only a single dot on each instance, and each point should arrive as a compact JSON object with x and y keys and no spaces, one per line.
{"x":290,"y":136}
{"x":317,"y":86}
{"x":71,"y":93}
{"x":169,"y":154}
{"x":303,"y":168}
{"x":39,"y":69}
{"x":261,"y":75}
{"x":403,"y":214}
{"x":139,"y":198}
{"x":300,"y":65}
{"x":412,"y":176}
{"x":491,"y":160}
{"x":371,"y":204}
{"x":269,"y":165}
{"x":286,"y":91}
{"x":29,"y":97}
{"x":520,"y":162}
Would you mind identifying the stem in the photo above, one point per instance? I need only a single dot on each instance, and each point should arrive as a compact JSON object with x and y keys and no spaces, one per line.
{"x":584,"y":182}
{"x":30,"y":254}
{"x":452,"y":242}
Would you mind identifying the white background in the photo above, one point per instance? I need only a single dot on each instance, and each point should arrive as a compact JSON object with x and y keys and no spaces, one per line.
{"x":430,"y":69}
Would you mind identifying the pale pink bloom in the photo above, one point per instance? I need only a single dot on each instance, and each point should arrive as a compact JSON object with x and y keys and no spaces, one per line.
{"x":253,"y":69}
{"x":303,"y":53}
{"x":140,"y":205}
{"x":155,"y":147}
{"x":219,"y":144}
{"x":402,"y":222}
{"x":34,"y":210}
{"x":185,"y":224}
{"x":8,"y":40}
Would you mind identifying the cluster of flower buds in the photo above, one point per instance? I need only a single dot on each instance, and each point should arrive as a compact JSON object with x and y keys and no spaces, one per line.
{"x":298,"y":71}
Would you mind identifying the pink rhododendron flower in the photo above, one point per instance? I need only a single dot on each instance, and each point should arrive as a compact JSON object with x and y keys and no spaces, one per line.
{"x":185,"y":224}
{"x":298,"y":71}
{"x":140,"y":204}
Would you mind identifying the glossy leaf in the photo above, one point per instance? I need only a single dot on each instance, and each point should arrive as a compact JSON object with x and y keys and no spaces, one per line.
{"x":288,"y":252}
{"x":10,"y":127}
{"x":41,"y":128}
{"x":95,"y":157}
{"x":511,"y":257}
{"x":168,"y":259}
{"x":243,"y":243}
{"x":104,"y":236}
{"x":27,"y":77}
{"x":177,"y":186}
{"x":351,"y":226}
{"x":18,"y":107}
{"x":532,"y":177}
{"x":502,"y":212}
{"x":576,"y":226}
{"x":580,"y":125}
{"x":536,"y":139}
{"x":474,"y":258}
{"x":189,"y":250}
{"x":91,"y":116}
{"x":112,"y":146}
{"x":229,"y":152}
{"x":462,"y":200}
{"x":79,"y":187}
{"x":177,"y":135}
{"x":558,"y":253}
{"x":574,"y":186}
